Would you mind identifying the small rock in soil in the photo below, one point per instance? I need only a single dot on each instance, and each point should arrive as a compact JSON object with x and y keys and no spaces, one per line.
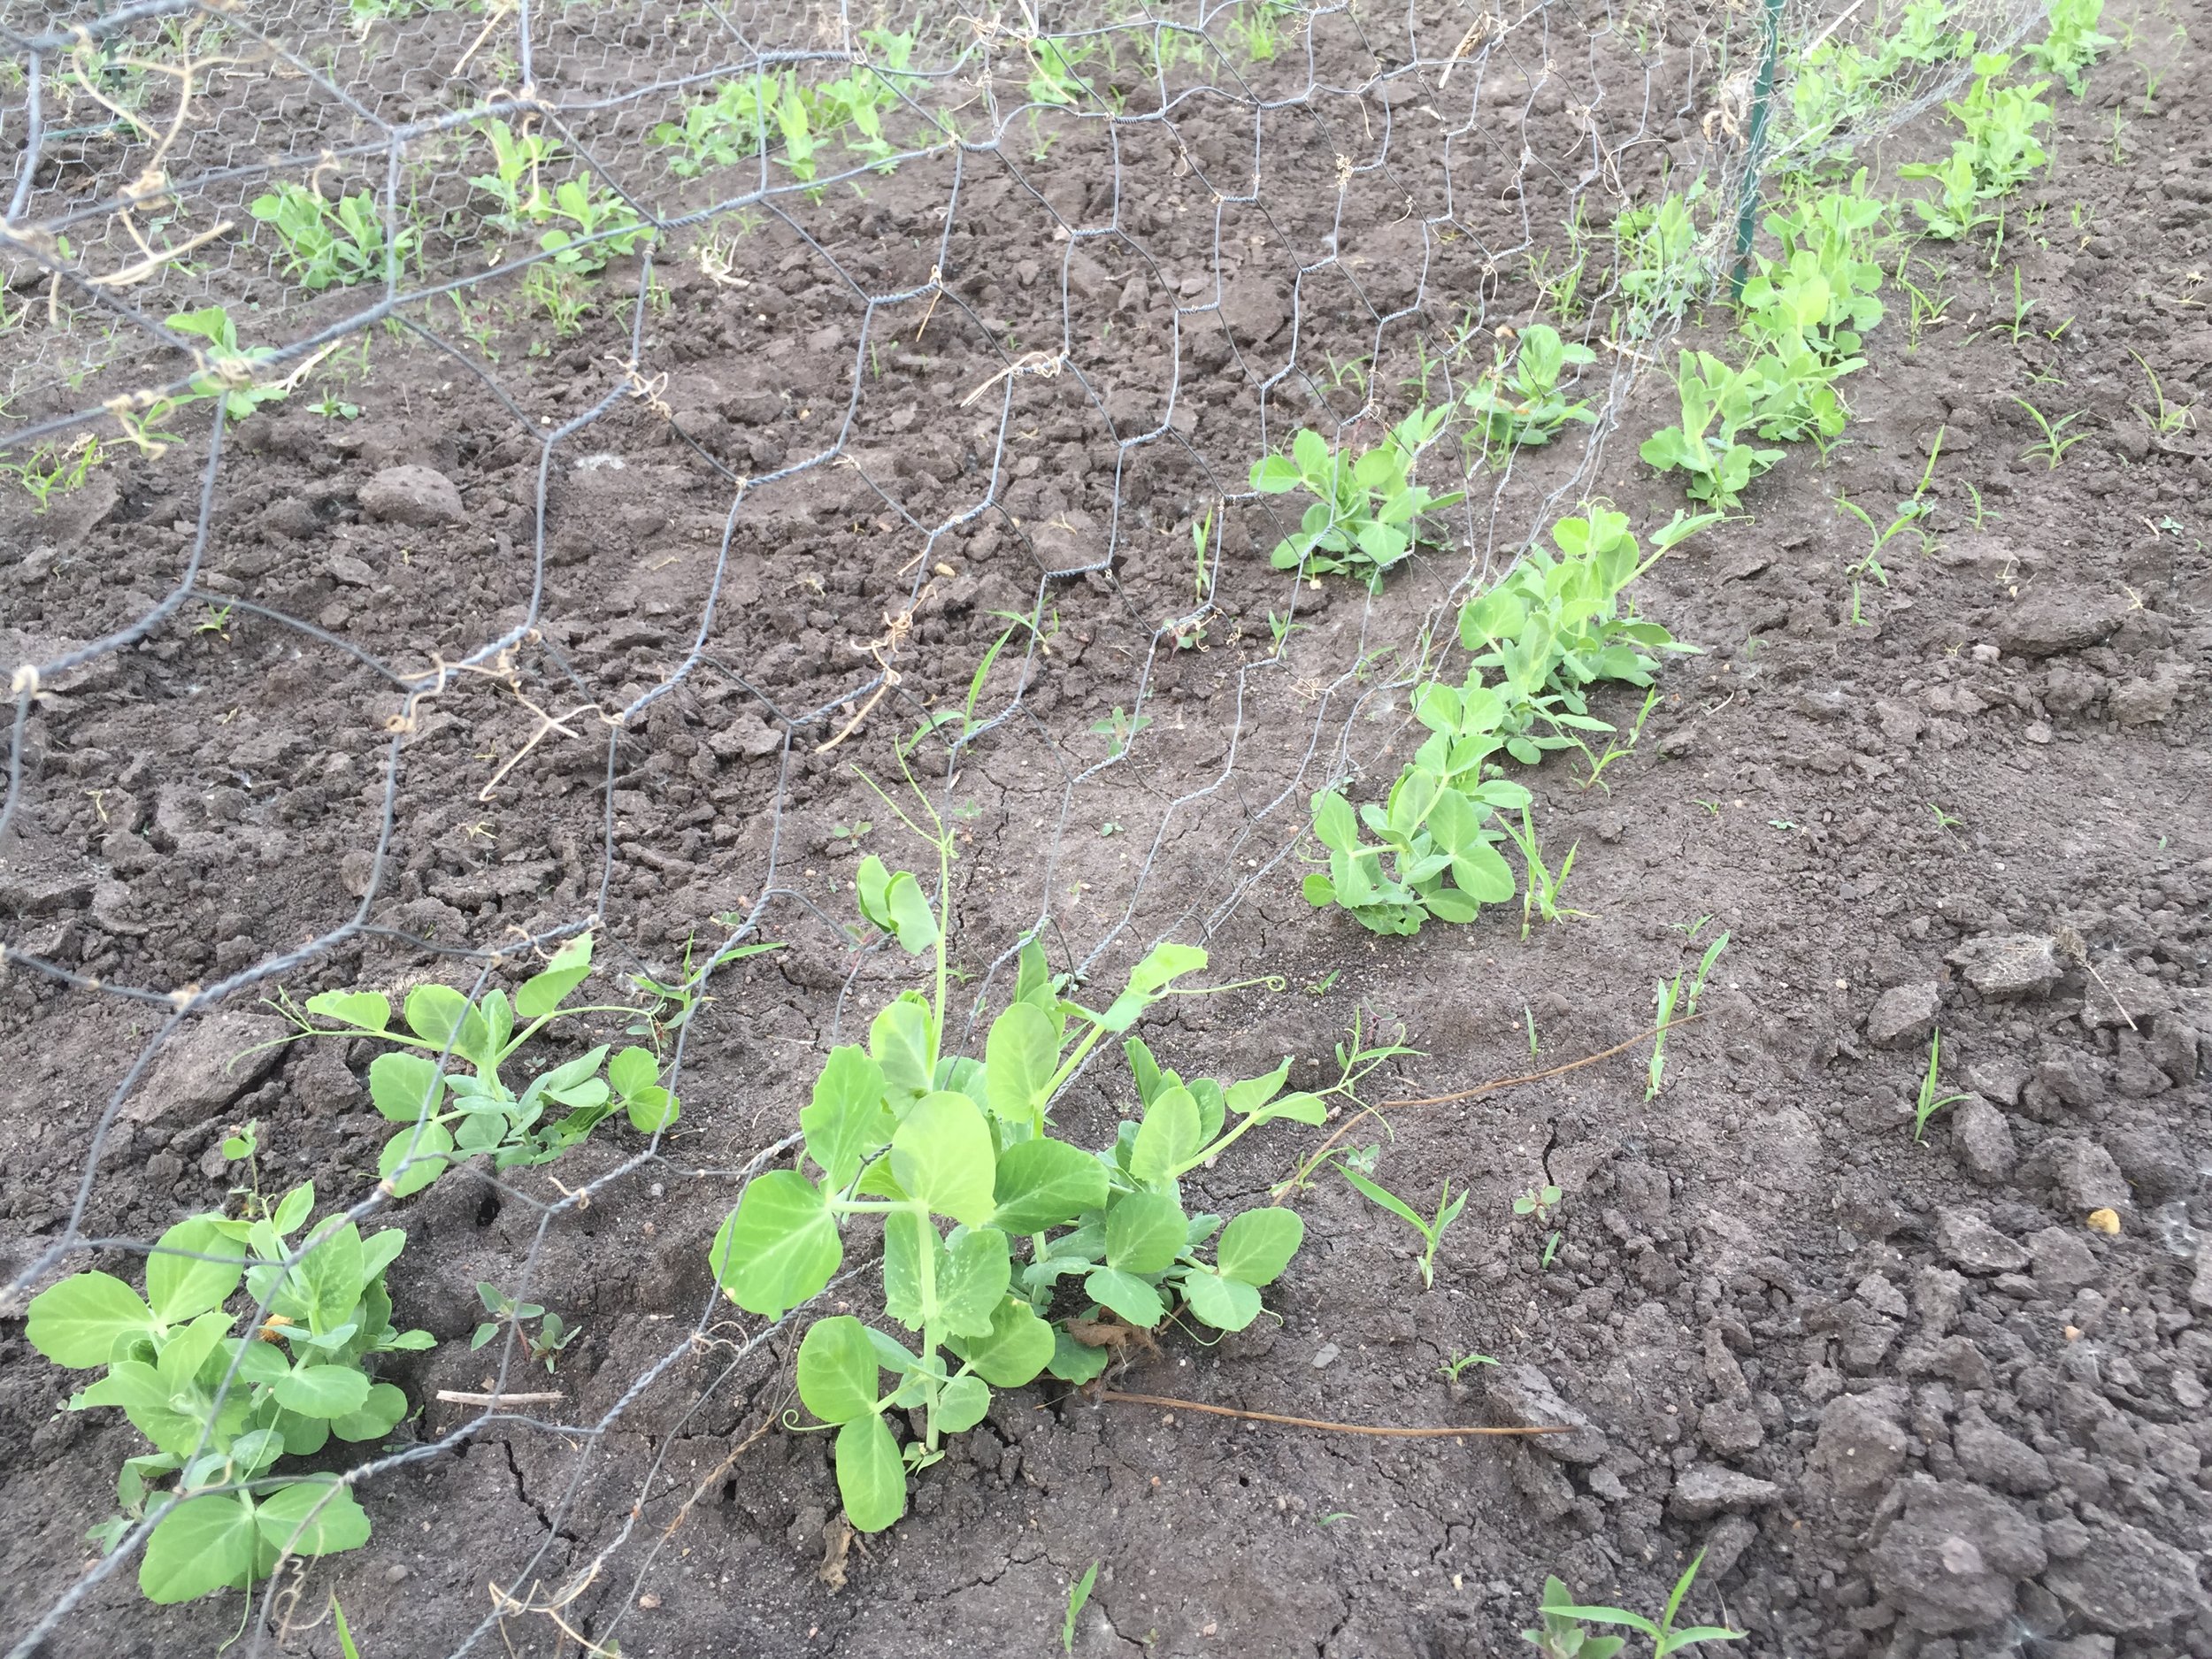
{"x":205,"y":1066}
{"x":1860,"y":1449}
{"x":2140,"y":702}
{"x":1724,"y":1546}
{"x":1901,"y":1015}
{"x":1709,"y":1488}
{"x":2046,"y":623}
{"x":418,"y":495}
{"x":1984,"y":1139}
{"x":1522,"y":1397}
{"x":2062,"y":1261}
{"x":1970,"y":1242}
{"x":2007,"y":964}
{"x":2126,"y":1580}
{"x":1987,"y":1454}
{"x":2154,"y":1162}
{"x":2086,"y":1176}
{"x":1950,"y":1562}
{"x":1730,"y":1428}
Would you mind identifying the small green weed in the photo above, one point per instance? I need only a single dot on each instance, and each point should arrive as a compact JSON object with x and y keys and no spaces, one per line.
{"x":2052,"y":446}
{"x":1432,"y":1230}
{"x":1670,"y":994}
{"x":1926,"y":1104}
{"x":1451,"y":1369}
{"x":545,"y":1343}
{"x":1561,"y":1636}
{"x":1078,"y":1593}
{"x":1538,"y":1202}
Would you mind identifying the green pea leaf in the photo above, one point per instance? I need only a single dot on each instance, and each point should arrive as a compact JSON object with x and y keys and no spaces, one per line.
{"x":911,"y":916}
{"x":871,"y":883}
{"x":1258,"y":1245}
{"x":1019,"y":1059}
{"x":322,"y":1391}
{"x":631,"y":1070}
{"x":1149,"y":981}
{"x":312,"y":1517}
{"x":972,"y":1280}
{"x":899,"y":1040}
{"x":1075,"y":1362}
{"x":1168,"y":1138}
{"x":442,"y":1017}
{"x":1254,"y":1093}
{"x":325,"y":1282}
{"x":779,"y":1246}
{"x":1299,"y":1108}
{"x":405,"y":1087}
{"x":294,"y":1207}
{"x":960,"y":1404}
{"x":1145,"y":1233}
{"x":837,"y":1369}
{"x":1136,"y":1301}
{"x":871,"y":1476}
{"x":1226,"y":1304}
{"x":650,"y":1111}
{"x":848,"y":1123}
{"x":1043,"y":1184}
{"x":412,"y":1158}
{"x":1016,"y":1350}
{"x":202,"y":1546}
{"x":364,"y":1010}
{"x":378,"y":1415}
{"x":542,"y":993}
{"x":941,"y":1154}
{"x":78,"y":1322}
{"x":193,"y":1268}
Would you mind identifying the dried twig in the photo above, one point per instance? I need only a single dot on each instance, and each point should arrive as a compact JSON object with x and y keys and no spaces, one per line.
{"x":1115,"y":1397}
{"x":464,"y":1397}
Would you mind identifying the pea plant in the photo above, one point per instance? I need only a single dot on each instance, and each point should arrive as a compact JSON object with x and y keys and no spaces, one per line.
{"x":1719,"y":406}
{"x":328,"y":243}
{"x":576,"y":221}
{"x":2073,"y":42}
{"x":222,"y":1409}
{"x":1523,"y":407}
{"x":1998,"y":154}
{"x":447,"y":1116}
{"x":1366,"y":513}
{"x":1549,"y":632}
{"x":747,"y":117}
{"x":984,"y":1209}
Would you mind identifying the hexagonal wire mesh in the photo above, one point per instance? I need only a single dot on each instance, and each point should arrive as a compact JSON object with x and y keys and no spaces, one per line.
{"x":814,"y":255}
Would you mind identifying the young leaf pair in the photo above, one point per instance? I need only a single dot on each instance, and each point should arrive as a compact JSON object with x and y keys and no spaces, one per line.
{"x":221,"y":1410}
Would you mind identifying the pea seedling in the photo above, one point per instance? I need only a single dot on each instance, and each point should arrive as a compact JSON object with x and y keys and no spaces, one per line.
{"x":1366,"y":515}
{"x":222,"y":1411}
{"x":907,"y":1132}
{"x":1431,"y":1232}
{"x":1526,"y":409}
{"x":447,"y":1117}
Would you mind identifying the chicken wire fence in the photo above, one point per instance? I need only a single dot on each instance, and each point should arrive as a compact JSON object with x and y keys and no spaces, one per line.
{"x":802,"y":257}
